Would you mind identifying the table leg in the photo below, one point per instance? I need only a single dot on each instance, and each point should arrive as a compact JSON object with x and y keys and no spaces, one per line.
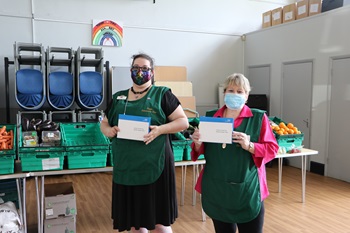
{"x":280,"y":166}
{"x":204,"y":215}
{"x":21,"y":202}
{"x":38,"y":203}
{"x":42,"y":204}
{"x":303,"y":177}
{"x":183,"y":184}
{"x":24,"y":188}
{"x":194,"y":169}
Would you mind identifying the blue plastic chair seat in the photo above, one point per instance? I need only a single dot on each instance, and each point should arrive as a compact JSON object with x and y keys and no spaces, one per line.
{"x":30,"y":84}
{"x":90,"y":83}
{"x":60,"y":90}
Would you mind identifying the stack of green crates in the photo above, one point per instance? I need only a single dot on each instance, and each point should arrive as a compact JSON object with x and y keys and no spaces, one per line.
{"x":8,"y":156}
{"x":179,"y":149}
{"x":86,"y":146}
{"x":288,"y":141}
{"x":38,"y":158}
{"x":188,"y":150}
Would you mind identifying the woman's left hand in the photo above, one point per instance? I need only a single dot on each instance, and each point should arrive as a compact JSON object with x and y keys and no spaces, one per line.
{"x":155,"y":132}
{"x":241,"y":138}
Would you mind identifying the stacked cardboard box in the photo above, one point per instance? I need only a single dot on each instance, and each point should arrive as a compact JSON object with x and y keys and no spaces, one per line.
{"x":302,"y":9}
{"x":315,"y":7}
{"x":276,"y":16}
{"x":60,"y":208}
{"x":289,"y":12}
{"x":266,"y":19}
{"x":298,"y":10}
{"x":175,"y":77}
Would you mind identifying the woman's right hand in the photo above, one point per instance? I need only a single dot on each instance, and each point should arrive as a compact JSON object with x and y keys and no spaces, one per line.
{"x":107,"y":130}
{"x":195,"y":138}
{"x":112,"y":131}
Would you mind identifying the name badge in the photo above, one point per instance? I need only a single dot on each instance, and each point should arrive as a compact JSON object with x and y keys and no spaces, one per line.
{"x":121,"y":97}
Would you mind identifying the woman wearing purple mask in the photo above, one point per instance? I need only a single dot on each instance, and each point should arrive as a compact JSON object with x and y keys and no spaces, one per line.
{"x":144,"y":190}
{"x":233,"y":183}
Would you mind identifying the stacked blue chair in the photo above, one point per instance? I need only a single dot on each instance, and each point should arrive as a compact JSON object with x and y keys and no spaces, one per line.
{"x":60,"y":84}
{"x":90,"y":83}
{"x":30,"y":75}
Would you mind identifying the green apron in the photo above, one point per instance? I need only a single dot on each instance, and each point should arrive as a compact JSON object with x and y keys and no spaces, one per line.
{"x":230,"y":185}
{"x":136,"y":163}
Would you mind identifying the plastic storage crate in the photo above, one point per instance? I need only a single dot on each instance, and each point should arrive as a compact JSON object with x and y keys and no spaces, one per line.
{"x":187,"y":152}
{"x":288,"y":141}
{"x":110,"y":157}
{"x":180,"y":148}
{"x":85,"y":145}
{"x":8,"y":156}
{"x":40,"y":158}
{"x":13,"y":150}
{"x":7,"y":164}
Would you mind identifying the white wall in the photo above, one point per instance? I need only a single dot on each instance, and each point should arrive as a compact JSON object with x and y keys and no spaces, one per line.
{"x":203,"y":35}
{"x":319,"y":38}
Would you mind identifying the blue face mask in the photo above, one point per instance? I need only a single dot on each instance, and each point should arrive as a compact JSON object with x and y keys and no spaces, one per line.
{"x":234,"y":101}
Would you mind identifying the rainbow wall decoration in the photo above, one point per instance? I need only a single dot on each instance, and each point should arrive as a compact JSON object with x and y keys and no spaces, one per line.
{"x":107,"y":33}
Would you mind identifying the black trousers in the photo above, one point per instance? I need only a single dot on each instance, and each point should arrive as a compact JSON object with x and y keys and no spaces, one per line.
{"x":254,"y":226}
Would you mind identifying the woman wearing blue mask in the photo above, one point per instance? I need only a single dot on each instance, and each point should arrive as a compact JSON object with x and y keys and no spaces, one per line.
{"x":144,"y":190}
{"x":233,"y":184}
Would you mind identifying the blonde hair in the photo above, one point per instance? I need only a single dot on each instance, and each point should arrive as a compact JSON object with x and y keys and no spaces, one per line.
{"x":239,"y":80}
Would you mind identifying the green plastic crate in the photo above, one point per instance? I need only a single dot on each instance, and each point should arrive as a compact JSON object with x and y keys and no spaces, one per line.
{"x":13,"y":150}
{"x":83,"y":136}
{"x":87,"y":159}
{"x":42,"y":160}
{"x":179,"y":148}
{"x":34,"y":149}
{"x":7,"y":164}
{"x":188,"y":150}
{"x":110,"y":157}
{"x":288,"y":141}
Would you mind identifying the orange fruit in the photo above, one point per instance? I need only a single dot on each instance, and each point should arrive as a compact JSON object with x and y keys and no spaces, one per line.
{"x":290,"y":125}
{"x":282,"y":125}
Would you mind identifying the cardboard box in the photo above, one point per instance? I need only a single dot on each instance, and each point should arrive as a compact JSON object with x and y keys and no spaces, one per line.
{"x":289,"y":12}
{"x":170,"y":73}
{"x":178,"y":88}
{"x":188,"y":103}
{"x":60,"y":224}
{"x":302,"y":9}
{"x":276,"y":16}
{"x":60,"y":200}
{"x":266,"y":17}
{"x":315,"y":7}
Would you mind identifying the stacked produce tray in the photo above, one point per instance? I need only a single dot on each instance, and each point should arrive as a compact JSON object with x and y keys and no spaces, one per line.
{"x":287,"y":142}
{"x":86,"y":146}
{"x":40,"y":158}
{"x":179,"y":149}
{"x":8,"y":142}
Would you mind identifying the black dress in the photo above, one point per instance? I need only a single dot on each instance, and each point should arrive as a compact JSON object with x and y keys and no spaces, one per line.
{"x":147,"y":205}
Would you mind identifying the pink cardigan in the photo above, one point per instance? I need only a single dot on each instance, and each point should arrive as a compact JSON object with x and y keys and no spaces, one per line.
{"x":265,"y":149}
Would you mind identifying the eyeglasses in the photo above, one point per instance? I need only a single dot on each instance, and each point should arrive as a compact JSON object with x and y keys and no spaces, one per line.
{"x":143,"y":68}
